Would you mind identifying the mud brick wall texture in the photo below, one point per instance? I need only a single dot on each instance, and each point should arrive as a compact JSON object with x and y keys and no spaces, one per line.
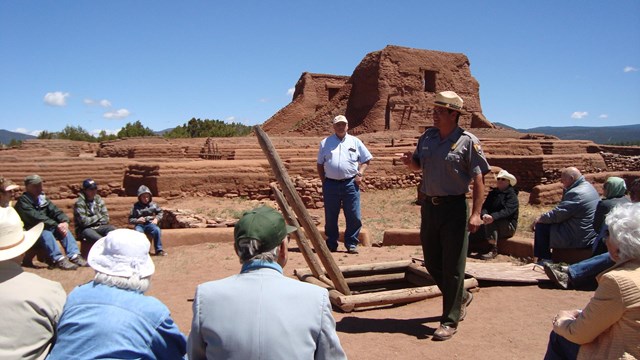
{"x":246,"y":173}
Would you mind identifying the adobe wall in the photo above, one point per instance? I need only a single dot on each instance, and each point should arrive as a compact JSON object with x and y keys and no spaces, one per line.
{"x":549,"y":194}
{"x":247,"y":174}
{"x":391,"y":89}
{"x":312,"y":92}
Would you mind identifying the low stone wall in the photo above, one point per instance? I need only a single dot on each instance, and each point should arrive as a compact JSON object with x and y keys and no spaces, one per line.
{"x":173,"y":168}
{"x":549,"y":194}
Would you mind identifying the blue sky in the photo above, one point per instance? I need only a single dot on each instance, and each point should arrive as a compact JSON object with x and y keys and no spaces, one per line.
{"x":101,"y":64}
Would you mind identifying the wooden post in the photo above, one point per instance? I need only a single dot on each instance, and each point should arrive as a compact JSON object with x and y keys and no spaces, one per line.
{"x":301,"y":239}
{"x":296,"y":203}
{"x":399,"y":296}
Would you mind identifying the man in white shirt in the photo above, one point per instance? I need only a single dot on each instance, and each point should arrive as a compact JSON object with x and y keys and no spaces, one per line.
{"x":342,"y":161}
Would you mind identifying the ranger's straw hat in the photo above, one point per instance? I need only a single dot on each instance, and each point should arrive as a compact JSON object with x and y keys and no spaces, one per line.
{"x":449,"y":100}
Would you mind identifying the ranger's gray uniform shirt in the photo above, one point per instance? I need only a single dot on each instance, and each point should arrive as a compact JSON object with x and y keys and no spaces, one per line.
{"x":448,"y":165}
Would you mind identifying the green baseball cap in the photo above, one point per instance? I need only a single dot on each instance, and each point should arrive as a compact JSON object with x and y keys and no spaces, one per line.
{"x":32,"y":179}
{"x":263,"y":224}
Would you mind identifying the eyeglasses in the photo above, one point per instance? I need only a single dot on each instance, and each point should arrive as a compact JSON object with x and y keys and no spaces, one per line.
{"x":503,"y":179}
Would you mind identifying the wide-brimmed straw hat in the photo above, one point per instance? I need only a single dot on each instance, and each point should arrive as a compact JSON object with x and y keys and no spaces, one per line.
{"x":449,"y":100}
{"x":14,"y":241}
{"x":124,"y":253}
{"x":504,"y":174}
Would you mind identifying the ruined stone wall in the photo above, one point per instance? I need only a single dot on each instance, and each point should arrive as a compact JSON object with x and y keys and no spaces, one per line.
{"x":533,"y":162}
{"x":313,"y":92}
{"x":63,"y":176}
{"x":391,"y":89}
{"x":617,"y":162}
{"x":61,"y":147}
{"x":549,"y":194}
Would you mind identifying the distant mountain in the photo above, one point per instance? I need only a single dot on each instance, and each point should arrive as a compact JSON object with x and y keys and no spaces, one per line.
{"x":6,"y":136}
{"x":600,"y":135}
{"x":162,"y":132}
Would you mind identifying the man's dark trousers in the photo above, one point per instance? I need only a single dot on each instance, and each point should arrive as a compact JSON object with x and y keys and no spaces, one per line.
{"x":443,"y":234}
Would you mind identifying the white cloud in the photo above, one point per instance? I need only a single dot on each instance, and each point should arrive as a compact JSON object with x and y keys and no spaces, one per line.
{"x":57,"y":98}
{"x":603,"y":116}
{"x":230,"y":119}
{"x":263,"y":100}
{"x":25,"y":131}
{"x":630,"y":69}
{"x":579,"y":114}
{"x":104,"y":102}
{"x":291,"y":91}
{"x":117,"y":114}
{"x":96,"y":132}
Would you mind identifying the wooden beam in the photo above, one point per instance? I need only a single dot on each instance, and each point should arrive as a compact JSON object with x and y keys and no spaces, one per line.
{"x":334,"y":294}
{"x":375,"y":268}
{"x":364,"y":270}
{"x":301,"y":239}
{"x":296,"y":203}
{"x":375,"y":279}
{"x":395,"y":296}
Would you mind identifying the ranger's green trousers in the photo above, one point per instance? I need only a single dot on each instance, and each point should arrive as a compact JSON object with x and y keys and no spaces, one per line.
{"x":443,"y":234}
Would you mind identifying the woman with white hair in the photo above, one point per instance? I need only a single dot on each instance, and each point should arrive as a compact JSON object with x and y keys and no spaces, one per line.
{"x":110,"y":317}
{"x":608,"y":327}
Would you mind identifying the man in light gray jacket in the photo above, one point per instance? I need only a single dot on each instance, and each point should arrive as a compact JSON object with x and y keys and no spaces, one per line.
{"x":570,"y":223}
{"x":259,"y":313}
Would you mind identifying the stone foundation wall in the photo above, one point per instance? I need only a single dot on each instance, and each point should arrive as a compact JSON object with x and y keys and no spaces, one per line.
{"x":534,"y":162}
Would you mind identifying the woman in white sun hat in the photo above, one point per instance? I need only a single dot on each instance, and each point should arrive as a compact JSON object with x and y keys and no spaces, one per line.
{"x":110,"y":317}
{"x":31,"y":306}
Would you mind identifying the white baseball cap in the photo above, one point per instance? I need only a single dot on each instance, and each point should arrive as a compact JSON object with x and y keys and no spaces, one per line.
{"x":340,"y":118}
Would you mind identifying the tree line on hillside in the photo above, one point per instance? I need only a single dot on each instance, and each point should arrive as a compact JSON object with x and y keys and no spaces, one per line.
{"x":192,"y":129}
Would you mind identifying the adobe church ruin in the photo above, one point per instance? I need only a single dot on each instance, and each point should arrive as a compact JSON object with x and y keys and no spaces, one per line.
{"x":391,"y":89}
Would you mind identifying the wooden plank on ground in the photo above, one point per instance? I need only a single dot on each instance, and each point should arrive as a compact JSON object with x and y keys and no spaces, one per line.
{"x":506,"y":272}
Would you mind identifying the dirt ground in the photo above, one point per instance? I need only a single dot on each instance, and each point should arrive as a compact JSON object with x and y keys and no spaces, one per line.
{"x":504,"y":321}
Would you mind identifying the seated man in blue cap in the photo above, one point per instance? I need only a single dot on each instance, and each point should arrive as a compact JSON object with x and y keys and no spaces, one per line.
{"x":260,"y":313}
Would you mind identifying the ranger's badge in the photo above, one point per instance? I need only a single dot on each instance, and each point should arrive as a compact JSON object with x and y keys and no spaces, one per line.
{"x":478,"y":149}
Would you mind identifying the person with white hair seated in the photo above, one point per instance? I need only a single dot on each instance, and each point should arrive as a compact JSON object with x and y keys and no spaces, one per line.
{"x":570,"y":224}
{"x":110,"y":317}
{"x":608,"y":327}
